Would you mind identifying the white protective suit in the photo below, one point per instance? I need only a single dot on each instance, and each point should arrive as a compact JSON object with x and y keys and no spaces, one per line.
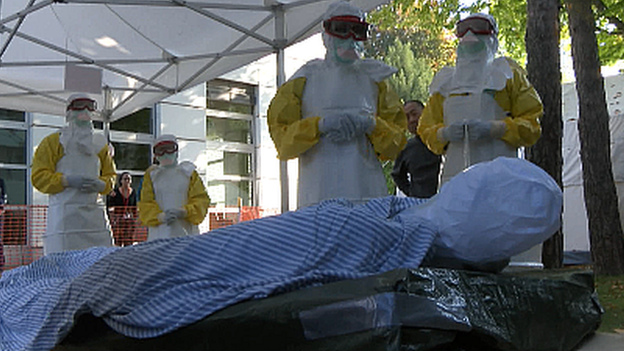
{"x":480,"y":91}
{"x":172,"y":186}
{"x":76,"y":219}
{"x":345,"y":169}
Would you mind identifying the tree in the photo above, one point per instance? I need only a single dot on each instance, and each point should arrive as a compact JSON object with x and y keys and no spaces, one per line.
{"x":605,"y":229}
{"x":544,"y":71}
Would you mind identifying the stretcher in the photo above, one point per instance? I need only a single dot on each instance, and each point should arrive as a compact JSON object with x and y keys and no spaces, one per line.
{"x":403,"y":309}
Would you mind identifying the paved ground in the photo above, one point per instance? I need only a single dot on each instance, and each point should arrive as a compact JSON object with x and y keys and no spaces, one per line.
{"x":603,"y":342}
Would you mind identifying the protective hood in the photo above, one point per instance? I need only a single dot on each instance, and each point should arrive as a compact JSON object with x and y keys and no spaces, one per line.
{"x":475,"y":55}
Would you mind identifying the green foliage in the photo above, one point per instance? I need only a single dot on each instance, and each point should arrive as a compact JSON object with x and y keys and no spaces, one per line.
{"x":414,"y":74}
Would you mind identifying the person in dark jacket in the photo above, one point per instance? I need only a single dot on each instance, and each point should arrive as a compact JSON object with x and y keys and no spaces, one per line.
{"x":416,"y":169}
{"x":122,"y":207}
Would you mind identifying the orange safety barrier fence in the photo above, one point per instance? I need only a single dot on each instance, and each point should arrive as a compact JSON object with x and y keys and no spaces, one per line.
{"x":22,"y":228}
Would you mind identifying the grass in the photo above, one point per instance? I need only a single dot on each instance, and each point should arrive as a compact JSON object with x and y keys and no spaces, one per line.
{"x":611,"y":294}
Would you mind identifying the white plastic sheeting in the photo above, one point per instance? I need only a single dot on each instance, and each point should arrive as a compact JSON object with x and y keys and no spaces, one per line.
{"x":146,"y":49}
{"x":575,"y":230}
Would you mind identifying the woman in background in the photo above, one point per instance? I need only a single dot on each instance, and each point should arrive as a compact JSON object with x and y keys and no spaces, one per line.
{"x":122,"y":202}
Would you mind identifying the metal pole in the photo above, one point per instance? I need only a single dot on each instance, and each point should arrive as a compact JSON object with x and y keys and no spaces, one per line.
{"x":281,"y":77}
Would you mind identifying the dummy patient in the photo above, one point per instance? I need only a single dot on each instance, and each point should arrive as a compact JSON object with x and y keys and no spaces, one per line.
{"x":488,"y":213}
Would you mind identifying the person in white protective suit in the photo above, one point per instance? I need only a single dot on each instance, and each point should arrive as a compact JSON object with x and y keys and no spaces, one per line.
{"x":482,"y":108}
{"x":339,"y":116}
{"x":173,"y":197}
{"x":74,"y":167}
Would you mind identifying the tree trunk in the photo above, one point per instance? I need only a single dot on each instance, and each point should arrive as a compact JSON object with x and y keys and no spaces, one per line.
{"x":605,"y":230}
{"x":544,"y":71}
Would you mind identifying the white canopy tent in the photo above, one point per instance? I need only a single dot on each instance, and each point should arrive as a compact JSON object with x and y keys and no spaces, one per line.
{"x":137,"y":52}
{"x":146,"y":49}
{"x":575,"y":227}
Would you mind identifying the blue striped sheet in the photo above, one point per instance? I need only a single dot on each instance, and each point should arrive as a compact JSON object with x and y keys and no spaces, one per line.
{"x":153,"y":288}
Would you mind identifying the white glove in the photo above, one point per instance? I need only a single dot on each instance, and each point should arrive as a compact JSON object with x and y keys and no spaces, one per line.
{"x":452,"y":132}
{"x":72,"y":181}
{"x":175,"y":212}
{"x":165,"y":218}
{"x":337,"y":128}
{"x":364,"y":124}
{"x":482,"y":130}
{"x":479,"y":130}
{"x":92,"y":185}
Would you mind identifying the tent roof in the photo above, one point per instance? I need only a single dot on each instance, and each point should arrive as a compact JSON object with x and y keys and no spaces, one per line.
{"x":146,"y":49}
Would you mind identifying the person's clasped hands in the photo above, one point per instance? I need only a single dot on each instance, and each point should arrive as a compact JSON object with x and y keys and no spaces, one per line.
{"x":171,"y":215}
{"x":477,"y":130}
{"x":84,"y":184}
{"x":343,"y":127}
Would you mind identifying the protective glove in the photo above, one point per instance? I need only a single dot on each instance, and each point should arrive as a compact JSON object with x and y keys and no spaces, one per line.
{"x":452,"y":132}
{"x":364,"y":124}
{"x":72,"y":181}
{"x":337,"y":127}
{"x":92,"y":185}
{"x":176,"y":212}
{"x":479,"y":130}
{"x":165,"y":218}
{"x":483,"y":130}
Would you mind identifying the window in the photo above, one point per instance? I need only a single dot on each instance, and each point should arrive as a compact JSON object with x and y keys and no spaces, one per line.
{"x":12,"y":146}
{"x":228,"y":130}
{"x":138,"y":122}
{"x":231,"y":96}
{"x":14,"y":185}
{"x":11,"y":115}
{"x":230,"y":144}
{"x":132,"y":157}
{"x":228,"y":193}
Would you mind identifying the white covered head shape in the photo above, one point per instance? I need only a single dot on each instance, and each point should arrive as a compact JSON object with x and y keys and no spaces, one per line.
{"x":165,"y":150}
{"x":80,"y":110}
{"x":344,"y":28}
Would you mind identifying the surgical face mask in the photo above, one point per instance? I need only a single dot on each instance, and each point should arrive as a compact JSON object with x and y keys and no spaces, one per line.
{"x":347,"y":51}
{"x":168,"y":160}
{"x":80,"y":118}
{"x":471,"y":44}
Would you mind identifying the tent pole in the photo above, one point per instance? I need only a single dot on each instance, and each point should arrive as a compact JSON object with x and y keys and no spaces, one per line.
{"x":281,"y":77}
{"x":106,"y":112}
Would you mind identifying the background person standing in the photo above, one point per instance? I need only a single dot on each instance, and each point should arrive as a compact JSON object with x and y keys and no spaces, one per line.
{"x":122,"y":210}
{"x":416,"y":170}
{"x":174,"y":200}
{"x":74,"y":166}
{"x":482,"y":108}
{"x":339,"y":116}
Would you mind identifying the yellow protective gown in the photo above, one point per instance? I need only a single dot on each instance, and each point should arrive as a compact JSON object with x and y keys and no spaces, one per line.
{"x":76,"y":220}
{"x":517,"y":104}
{"x":326,"y":169}
{"x":178,"y":186}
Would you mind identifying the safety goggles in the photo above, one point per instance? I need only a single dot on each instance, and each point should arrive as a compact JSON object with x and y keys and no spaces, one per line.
{"x":165,"y":147}
{"x":81,"y":104}
{"x":475,"y":25}
{"x":345,"y":27}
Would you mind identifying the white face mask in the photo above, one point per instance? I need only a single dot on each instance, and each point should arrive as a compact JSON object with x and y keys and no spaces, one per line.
{"x":168,"y":160}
